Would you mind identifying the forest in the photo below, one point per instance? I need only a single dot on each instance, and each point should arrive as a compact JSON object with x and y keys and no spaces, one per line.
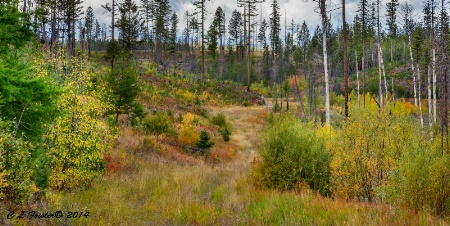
{"x":223,"y":116}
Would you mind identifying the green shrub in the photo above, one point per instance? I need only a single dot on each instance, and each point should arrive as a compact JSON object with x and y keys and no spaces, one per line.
{"x":291,"y":153}
{"x":203,"y":141}
{"x":219,"y":120}
{"x":16,"y":168}
{"x":225,"y":132}
{"x":159,"y":123}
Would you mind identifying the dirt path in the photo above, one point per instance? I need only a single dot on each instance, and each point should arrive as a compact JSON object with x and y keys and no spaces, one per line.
{"x":247,"y":124}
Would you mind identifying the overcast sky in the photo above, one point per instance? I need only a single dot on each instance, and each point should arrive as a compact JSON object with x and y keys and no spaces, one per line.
{"x":298,"y":10}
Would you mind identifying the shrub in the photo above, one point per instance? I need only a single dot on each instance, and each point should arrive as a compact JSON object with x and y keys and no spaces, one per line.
{"x":159,"y":123}
{"x":187,"y":135}
{"x":15,"y":168}
{"x":225,"y":132}
{"x":203,"y":141}
{"x":292,"y":152}
{"x":219,"y":120}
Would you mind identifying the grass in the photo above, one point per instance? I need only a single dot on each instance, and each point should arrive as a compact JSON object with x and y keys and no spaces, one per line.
{"x":156,"y":184}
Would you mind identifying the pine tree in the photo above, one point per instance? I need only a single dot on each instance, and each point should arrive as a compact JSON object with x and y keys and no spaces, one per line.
{"x":364,"y":19}
{"x":147,"y":13}
{"x":250,"y":5}
{"x":203,"y":141}
{"x":303,"y":39}
{"x":200,"y":6}
{"x":129,"y":24}
{"x":391,"y":21}
{"x":161,"y":17}
{"x":235,"y":27}
{"x":173,"y":34}
{"x":212,"y":39}
{"x":111,"y":8}
{"x":275,"y":28}
{"x":219,"y":19}
{"x":89,"y":24}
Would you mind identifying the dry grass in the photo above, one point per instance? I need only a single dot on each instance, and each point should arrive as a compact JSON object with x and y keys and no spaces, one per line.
{"x":178,"y":189}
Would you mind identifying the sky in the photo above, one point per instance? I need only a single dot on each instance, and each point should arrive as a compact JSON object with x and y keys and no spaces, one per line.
{"x":297,"y":10}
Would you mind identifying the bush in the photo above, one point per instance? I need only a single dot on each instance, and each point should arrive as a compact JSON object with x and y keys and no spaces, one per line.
{"x":225,"y":134}
{"x":159,"y":123}
{"x":203,"y":141}
{"x":16,"y":168}
{"x":293,"y":152}
{"x":187,"y":135}
{"x":219,"y":120}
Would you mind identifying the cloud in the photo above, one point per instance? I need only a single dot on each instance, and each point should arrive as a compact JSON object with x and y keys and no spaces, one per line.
{"x":297,"y":10}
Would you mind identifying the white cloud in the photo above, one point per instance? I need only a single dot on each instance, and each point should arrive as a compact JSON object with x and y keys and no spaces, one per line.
{"x":299,"y":10}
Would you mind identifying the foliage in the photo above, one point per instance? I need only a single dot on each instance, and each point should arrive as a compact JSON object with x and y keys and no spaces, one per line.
{"x":384,"y":156}
{"x":364,"y":152}
{"x":219,"y":120}
{"x":159,"y":123}
{"x":188,"y":135}
{"x":421,"y":180}
{"x":14,"y":27}
{"x":293,"y":152}
{"x":26,"y":98}
{"x":225,"y":132}
{"x":123,"y":82}
{"x":203,"y":141}
{"x":16,"y":166}
{"x":79,"y":137}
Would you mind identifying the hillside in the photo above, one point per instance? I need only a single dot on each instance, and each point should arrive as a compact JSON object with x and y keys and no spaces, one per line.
{"x":151,"y":179}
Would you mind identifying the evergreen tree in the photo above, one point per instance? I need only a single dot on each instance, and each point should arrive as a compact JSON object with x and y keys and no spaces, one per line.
{"x":212,"y":39}
{"x":203,"y":141}
{"x":200,"y":6}
{"x":303,"y":39}
{"x":89,"y":24}
{"x":275,"y":28}
{"x":173,"y":34}
{"x":235,"y":28}
{"x":14,"y":27}
{"x":219,"y":19}
{"x":162,"y":17}
{"x":250,"y":5}
{"x":129,"y":24}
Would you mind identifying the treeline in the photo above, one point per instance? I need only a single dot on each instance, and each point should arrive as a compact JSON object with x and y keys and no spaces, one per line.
{"x":243,"y":43}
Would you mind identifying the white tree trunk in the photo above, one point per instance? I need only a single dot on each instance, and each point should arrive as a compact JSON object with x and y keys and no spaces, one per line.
{"x":420,"y":96}
{"x":357,"y":75}
{"x":393,"y":99}
{"x":434,"y":84}
{"x":412,"y":67}
{"x":384,"y":72}
{"x":380,"y":91}
{"x":430,"y":115}
{"x":325,"y":68}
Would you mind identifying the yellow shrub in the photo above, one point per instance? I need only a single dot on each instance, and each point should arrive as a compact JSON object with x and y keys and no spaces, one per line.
{"x":187,"y":135}
{"x":188,"y":119}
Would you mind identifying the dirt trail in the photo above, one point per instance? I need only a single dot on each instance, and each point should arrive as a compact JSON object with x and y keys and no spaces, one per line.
{"x":247,"y":123}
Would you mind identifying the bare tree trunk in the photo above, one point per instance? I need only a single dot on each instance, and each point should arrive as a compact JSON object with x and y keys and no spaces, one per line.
{"x":420,"y":95}
{"x":344,"y":28}
{"x":357,"y":76}
{"x":434,"y":85}
{"x":412,"y":68}
{"x":391,"y":51}
{"x":393,"y":99}
{"x":248,"y":51}
{"x":430,"y":115}
{"x":325,"y":62}
{"x":380,"y":91}
{"x":384,"y":71}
